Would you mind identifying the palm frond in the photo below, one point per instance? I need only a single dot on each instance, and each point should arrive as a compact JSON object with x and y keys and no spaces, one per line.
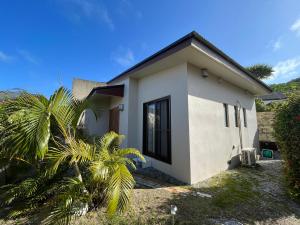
{"x":71,"y":201}
{"x":74,"y":151}
{"x":129,"y":151}
{"x":111,"y":141}
{"x":79,"y":107}
{"x":119,"y":190}
{"x":62,"y":108}
{"x":30,"y":124}
{"x":25,"y":189}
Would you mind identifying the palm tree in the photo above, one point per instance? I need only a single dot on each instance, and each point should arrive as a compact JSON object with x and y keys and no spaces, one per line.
{"x":30,"y":121}
{"x":71,"y":175}
{"x":106,"y":164}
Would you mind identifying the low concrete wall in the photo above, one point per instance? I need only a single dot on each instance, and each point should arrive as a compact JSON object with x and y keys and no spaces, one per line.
{"x":265,"y":121}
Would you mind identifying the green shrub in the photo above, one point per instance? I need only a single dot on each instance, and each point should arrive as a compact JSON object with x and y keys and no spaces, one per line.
{"x":287,"y":134}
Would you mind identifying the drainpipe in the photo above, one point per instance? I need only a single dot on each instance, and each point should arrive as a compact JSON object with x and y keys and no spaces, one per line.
{"x":239,"y":124}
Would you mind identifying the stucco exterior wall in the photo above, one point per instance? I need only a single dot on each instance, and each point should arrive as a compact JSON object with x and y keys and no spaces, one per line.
{"x":91,"y":125}
{"x":201,"y":145}
{"x":95,"y":126}
{"x":81,"y":88}
{"x":212,"y":144}
{"x":171,"y":82}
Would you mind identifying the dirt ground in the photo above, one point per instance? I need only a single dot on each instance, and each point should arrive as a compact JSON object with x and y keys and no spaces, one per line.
{"x":254,"y":196}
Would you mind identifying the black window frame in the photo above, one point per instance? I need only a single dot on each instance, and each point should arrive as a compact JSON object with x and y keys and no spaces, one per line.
{"x":226,"y":115}
{"x":236,"y":111}
{"x":156,"y":155}
{"x":245,"y":117}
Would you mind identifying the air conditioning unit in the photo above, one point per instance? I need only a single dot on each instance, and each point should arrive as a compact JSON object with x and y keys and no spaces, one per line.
{"x":248,"y":156}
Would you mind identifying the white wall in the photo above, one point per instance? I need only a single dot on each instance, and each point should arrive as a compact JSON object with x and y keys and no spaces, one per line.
{"x":201,"y":145}
{"x":96,"y":126}
{"x":81,"y":88}
{"x":92,"y":126}
{"x":171,"y":82}
{"x":212,"y":144}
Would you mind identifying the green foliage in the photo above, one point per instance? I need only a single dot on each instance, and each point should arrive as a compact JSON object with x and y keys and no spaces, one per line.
{"x":260,"y":106}
{"x":65,"y":175}
{"x":261,"y":71}
{"x":29,"y":120}
{"x":106,"y":163}
{"x":287,"y":134}
{"x":242,"y":189}
{"x":287,"y":88}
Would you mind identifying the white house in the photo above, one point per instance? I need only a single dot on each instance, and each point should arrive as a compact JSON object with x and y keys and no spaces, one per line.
{"x":181,"y":108}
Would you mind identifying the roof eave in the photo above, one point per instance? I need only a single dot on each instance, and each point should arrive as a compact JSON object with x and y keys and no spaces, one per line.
{"x":185,"y":42}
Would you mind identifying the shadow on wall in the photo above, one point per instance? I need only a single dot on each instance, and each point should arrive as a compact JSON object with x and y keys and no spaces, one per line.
{"x":234,"y":162}
{"x":224,"y":92}
{"x":256,"y":141}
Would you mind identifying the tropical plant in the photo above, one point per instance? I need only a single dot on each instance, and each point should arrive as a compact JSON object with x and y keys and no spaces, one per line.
{"x":290,"y":87}
{"x":260,"y":105}
{"x":104,"y":165}
{"x":261,"y":71}
{"x":29,"y":120}
{"x":68,"y":176}
{"x":287,"y":134}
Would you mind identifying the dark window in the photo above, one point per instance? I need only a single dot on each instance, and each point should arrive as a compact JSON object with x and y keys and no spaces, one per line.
{"x":157,"y":129}
{"x":236,"y":116}
{"x":245,"y":117}
{"x":226,"y":116}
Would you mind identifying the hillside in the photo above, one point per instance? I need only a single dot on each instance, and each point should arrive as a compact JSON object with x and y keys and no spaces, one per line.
{"x":286,"y":88}
{"x":10,"y":94}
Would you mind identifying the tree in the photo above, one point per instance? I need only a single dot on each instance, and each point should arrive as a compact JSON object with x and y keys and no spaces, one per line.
{"x":261,"y":71}
{"x":260,"y":106}
{"x":70,"y":175}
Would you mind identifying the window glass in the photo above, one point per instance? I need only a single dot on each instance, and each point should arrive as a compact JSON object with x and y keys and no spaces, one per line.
{"x":236,"y":116}
{"x":157,"y":136}
{"x":226,"y":117}
{"x":245,"y":117}
{"x":150,"y":127}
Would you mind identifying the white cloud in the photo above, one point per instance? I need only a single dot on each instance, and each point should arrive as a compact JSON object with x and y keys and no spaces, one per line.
{"x":277,"y":45}
{"x":28,"y":56}
{"x":4,"y":57}
{"x":77,"y":10}
{"x":296,"y":27}
{"x":124,"y":57}
{"x":286,"y":69}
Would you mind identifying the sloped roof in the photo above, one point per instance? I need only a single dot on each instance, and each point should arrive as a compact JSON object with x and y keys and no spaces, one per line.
{"x":273,"y":96}
{"x":186,"y":41}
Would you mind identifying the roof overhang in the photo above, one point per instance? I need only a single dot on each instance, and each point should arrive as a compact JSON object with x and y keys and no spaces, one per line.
{"x":110,"y":90}
{"x":195,"y":50}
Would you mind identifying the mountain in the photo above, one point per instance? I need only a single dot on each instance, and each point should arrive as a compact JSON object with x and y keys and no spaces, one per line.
{"x":287,"y":88}
{"x":13,"y":93}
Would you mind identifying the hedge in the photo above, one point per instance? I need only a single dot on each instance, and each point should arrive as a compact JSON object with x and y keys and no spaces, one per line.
{"x":287,"y":134}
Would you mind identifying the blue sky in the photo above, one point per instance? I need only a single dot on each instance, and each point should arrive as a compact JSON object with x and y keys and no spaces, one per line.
{"x":45,"y":44}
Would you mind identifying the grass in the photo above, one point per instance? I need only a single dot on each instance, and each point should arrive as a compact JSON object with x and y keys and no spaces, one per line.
{"x":251,"y":196}
{"x":229,"y":190}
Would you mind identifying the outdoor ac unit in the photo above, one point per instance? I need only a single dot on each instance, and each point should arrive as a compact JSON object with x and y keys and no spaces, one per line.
{"x":248,"y":156}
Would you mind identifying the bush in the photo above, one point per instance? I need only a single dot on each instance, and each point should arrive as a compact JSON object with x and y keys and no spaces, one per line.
{"x":287,"y":134}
